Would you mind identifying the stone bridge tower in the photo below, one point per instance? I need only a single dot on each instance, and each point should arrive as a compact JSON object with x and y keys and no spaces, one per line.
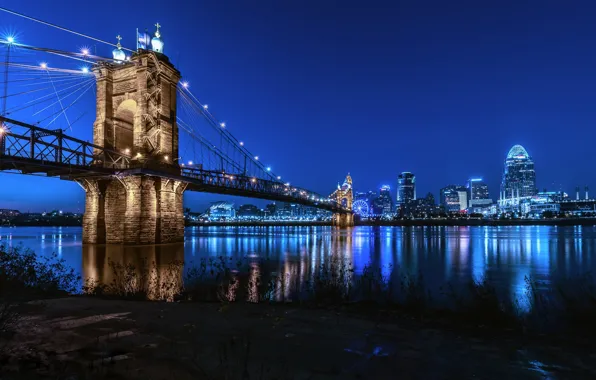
{"x":136,"y":116}
{"x":344,"y":197}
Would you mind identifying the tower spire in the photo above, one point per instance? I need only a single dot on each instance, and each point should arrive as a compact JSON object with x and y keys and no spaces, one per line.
{"x":157,"y":42}
{"x":117,"y":53}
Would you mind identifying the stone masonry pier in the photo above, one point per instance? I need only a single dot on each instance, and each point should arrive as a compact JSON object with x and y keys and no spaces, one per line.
{"x":133,"y":210}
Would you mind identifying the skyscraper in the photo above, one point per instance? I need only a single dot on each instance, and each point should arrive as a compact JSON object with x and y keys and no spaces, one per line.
{"x":406,"y":188}
{"x":383,"y":205}
{"x":519,"y":177}
{"x":478,"y":193}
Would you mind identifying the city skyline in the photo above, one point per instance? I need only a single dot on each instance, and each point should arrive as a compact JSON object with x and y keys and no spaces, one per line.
{"x":484,"y":97}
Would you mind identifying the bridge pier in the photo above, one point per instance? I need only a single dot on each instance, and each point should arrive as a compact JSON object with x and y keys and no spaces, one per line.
{"x":133,"y":210}
{"x":343,"y":220}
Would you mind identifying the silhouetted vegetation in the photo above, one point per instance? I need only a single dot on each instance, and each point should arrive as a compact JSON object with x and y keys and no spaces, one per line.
{"x":25,"y":277}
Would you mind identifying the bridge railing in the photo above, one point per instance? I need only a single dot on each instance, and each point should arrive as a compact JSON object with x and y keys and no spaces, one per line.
{"x":26,"y":143}
{"x":257,"y":185}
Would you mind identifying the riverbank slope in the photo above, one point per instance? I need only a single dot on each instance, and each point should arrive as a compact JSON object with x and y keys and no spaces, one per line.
{"x":98,"y":338}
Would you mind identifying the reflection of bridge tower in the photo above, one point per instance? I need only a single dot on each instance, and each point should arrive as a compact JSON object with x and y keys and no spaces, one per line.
{"x":154,"y":269}
{"x":344,"y":198}
{"x":136,"y":115}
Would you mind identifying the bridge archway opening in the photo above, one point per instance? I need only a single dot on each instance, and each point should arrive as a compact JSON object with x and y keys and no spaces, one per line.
{"x":124,"y":125}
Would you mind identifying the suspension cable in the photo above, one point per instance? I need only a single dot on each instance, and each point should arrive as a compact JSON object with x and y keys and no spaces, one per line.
{"x":59,"y":27}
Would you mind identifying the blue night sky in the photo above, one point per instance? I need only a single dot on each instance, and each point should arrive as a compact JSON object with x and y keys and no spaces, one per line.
{"x":321,"y":88}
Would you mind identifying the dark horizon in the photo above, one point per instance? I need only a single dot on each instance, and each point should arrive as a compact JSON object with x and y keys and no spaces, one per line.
{"x":439,"y":90}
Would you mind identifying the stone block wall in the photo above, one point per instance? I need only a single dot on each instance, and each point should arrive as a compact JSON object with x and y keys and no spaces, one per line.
{"x":343,"y":220}
{"x":133,"y":210}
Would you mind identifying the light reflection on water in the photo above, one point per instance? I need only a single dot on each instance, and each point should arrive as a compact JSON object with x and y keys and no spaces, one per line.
{"x":502,"y":255}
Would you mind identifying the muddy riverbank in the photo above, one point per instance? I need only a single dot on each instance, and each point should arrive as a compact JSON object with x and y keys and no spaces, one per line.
{"x":87,"y":337}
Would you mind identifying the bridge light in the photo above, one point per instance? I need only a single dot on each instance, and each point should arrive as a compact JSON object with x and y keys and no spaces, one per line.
{"x":126,"y":151}
{"x":256,"y":158}
{"x":166,"y":158}
{"x":43,"y":65}
{"x":268,"y":168}
{"x":139,"y":155}
{"x":278,"y":177}
{"x":206,"y":106}
{"x":287,"y":184}
{"x":85,"y":51}
{"x":85,"y":70}
{"x":232,"y":177}
{"x":241,"y":143}
{"x":10,"y":39}
{"x":253,"y":180}
{"x":223,"y":125}
{"x":182,"y":164}
{"x":2,"y":130}
{"x":190,"y":163}
{"x":185,"y":84}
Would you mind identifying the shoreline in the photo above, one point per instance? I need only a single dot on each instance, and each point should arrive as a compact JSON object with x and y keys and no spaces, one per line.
{"x":383,"y":223}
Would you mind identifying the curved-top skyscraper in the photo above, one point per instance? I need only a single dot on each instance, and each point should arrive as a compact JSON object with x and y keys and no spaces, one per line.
{"x":519,"y":177}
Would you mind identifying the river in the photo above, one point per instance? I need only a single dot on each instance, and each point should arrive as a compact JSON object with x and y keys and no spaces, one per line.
{"x":504,"y":255}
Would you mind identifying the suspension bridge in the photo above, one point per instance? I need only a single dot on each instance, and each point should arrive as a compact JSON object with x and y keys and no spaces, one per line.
{"x":146,"y":121}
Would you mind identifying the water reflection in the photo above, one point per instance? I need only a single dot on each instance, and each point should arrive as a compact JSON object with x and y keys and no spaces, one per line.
{"x":505,"y":256}
{"x":154,"y":270}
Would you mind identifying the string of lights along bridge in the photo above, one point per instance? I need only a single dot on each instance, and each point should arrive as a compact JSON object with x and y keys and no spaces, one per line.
{"x":152,"y":138}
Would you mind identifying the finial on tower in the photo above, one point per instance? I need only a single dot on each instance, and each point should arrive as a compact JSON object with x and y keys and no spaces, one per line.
{"x":117,"y":53}
{"x":156,"y":42}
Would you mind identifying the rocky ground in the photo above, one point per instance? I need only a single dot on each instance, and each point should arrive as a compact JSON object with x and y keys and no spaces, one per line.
{"x":83,"y":337}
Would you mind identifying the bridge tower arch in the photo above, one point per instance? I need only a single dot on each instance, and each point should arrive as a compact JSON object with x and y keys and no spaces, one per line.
{"x":136,"y":116}
{"x":344,"y":197}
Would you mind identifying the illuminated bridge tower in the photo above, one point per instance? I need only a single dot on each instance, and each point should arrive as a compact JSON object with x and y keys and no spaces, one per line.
{"x":136,"y":115}
{"x":344,"y":198}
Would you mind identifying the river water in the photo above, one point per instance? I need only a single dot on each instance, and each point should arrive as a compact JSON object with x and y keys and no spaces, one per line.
{"x":503,"y":255}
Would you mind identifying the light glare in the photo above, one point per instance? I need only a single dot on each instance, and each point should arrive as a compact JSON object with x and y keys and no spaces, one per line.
{"x":85,"y":51}
{"x":223,"y":125}
{"x":10,"y":39}
{"x":185,"y":84}
{"x":43,"y":65}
